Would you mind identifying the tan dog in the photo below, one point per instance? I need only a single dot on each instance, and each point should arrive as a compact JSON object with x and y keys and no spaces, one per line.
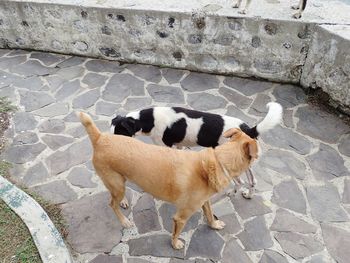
{"x":185,"y":178}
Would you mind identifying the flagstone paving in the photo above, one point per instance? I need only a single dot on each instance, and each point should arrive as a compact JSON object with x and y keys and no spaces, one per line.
{"x":300,"y":213}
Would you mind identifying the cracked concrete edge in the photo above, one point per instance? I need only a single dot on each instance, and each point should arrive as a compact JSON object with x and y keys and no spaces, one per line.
{"x":47,"y":239}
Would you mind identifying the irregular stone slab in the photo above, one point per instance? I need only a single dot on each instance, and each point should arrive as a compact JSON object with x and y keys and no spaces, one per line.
{"x":94,"y":80}
{"x":67,"y":89}
{"x":288,"y":118}
{"x":24,"y":121}
{"x":167,"y":212}
{"x":247,"y":86}
{"x":104,"y":258}
{"x":233,"y":252}
{"x":288,"y":95}
{"x":54,"y":82}
{"x":9,"y":63}
{"x":206,"y":243}
{"x":70,"y":73}
{"x":140,"y":260}
{"x":249,"y":208}
{"x":86,"y":99}
{"x":337,"y":241}
{"x":327,"y":163}
{"x":157,"y":245}
{"x":25,"y":138}
{"x":137,"y":103}
{"x":147,"y":72}
{"x":283,"y":192}
{"x":255,"y":235}
{"x":92,"y":212}
{"x":81,"y":177}
{"x":32,"y":68}
{"x":6,"y":79}
{"x":35,"y":175}
{"x":232,"y":225}
{"x":53,"y":110}
{"x":177,"y":260}
{"x":57,"y":192}
{"x":222,"y":208}
{"x":318,"y":259}
{"x":284,"y":163}
{"x":71,"y":62}
{"x":121,"y":86}
{"x":172,"y":75}
{"x":56,"y":141}
{"x":287,"y":139}
{"x":145,"y":215}
{"x":52,"y":126}
{"x":32,"y":100}
{"x":99,"y":65}
{"x":258,"y":107}
{"x":199,"y":82}
{"x":237,"y":113}
{"x":325,"y":203}
{"x":46,"y":58}
{"x":168,"y":94}
{"x":76,"y":132}
{"x":346,"y":192}
{"x":344,"y":145}
{"x":287,"y":222}
{"x":106,"y":108}
{"x":205,"y":101}
{"x":23,"y":153}
{"x":32,"y":83}
{"x":298,"y":246}
{"x":271,"y":256}
{"x":312,"y":118}
{"x":239,"y":100}
{"x":61,"y":161}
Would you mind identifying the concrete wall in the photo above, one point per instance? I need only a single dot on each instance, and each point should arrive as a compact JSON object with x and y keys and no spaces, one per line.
{"x":328,"y":63}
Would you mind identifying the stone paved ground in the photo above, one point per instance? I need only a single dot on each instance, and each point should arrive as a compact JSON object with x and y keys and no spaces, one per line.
{"x":301,"y":212}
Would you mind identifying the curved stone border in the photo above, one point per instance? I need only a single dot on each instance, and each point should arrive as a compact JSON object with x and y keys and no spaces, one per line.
{"x":48,"y":240}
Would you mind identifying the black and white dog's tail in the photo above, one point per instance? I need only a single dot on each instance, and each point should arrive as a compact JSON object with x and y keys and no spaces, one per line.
{"x":273,"y":117}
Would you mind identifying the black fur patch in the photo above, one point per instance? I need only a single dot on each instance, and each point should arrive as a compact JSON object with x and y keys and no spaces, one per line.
{"x":303,"y":5}
{"x":211,"y":129}
{"x":146,"y":120}
{"x":251,"y":132}
{"x":176,"y":133}
{"x":126,"y":126}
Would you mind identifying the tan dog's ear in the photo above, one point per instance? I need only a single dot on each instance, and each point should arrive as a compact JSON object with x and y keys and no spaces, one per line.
{"x":232,"y":133}
{"x":210,"y":166}
{"x":251,"y":149}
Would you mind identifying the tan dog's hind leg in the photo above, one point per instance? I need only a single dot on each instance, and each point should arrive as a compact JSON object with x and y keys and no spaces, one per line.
{"x":215,"y":224}
{"x":115,"y":183}
{"x":180,"y":219}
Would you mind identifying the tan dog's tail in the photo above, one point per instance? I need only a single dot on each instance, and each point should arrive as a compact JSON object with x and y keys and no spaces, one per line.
{"x":90,"y":127}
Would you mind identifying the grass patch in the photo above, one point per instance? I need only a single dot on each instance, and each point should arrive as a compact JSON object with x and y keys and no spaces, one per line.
{"x":6,"y":106}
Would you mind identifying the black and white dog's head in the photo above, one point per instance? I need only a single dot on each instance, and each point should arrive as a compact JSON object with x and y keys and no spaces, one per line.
{"x":126,"y":126}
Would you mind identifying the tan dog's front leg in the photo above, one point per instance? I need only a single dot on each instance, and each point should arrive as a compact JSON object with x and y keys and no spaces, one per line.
{"x":180,"y":219}
{"x":212,"y":222}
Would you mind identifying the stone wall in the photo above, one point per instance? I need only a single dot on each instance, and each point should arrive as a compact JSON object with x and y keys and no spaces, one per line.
{"x":328,"y":63}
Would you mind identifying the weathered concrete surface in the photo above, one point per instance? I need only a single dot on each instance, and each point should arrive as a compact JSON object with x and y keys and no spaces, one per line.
{"x":328,"y":62}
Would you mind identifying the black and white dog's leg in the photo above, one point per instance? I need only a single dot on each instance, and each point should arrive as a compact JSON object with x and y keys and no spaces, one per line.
{"x":237,"y":4}
{"x":300,"y":7}
{"x":245,"y":9}
{"x":248,"y":193}
{"x":238,"y":184}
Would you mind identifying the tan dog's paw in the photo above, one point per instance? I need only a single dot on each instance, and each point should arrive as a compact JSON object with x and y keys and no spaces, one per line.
{"x":126,"y":223}
{"x":124,"y":203}
{"x":178,"y":244}
{"x":218,"y":224}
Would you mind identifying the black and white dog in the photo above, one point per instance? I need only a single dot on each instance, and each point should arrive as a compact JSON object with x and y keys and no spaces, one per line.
{"x":180,"y":127}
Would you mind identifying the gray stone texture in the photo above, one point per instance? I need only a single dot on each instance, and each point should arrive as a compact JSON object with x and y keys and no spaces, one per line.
{"x":157,"y":245}
{"x":255,"y":235}
{"x":36,"y":174}
{"x":344,"y":145}
{"x":56,"y":141}
{"x":199,"y":82}
{"x":106,"y":108}
{"x":232,"y":225}
{"x":94,"y":80}
{"x":81,"y":177}
{"x":86,"y":99}
{"x":271,"y":256}
{"x":53,"y":110}
{"x":337,"y":241}
{"x":298,"y":246}
{"x":145,"y":215}
{"x":104,"y":258}
{"x":52,"y":126}
{"x":247,"y":208}
{"x":282,"y":196}
{"x":246,"y":86}
{"x":237,"y":113}
{"x":95,"y":65}
{"x":289,"y":96}
{"x":32,"y":100}
{"x":287,"y":222}
{"x":205,"y":243}
{"x":325,"y":203}
{"x":137,"y":103}
{"x":233,"y":252}
{"x":71,"y":62}
{"x":24,"y":153}
{"x":236,"y":98}
{"x":47,"y":58}
{"x":320,"y":124}
{"x":25,"y":138}
{"x":172,"y":75}
{"x":57,"y":192}
{"x":168,"y":94}
{"x":149,"y":73}
{"x":327,"y":163}
{"x":68,"y":89}
{"x":205,"y":101}
{"x":258,"y":108}
{"x":92,"y":213}
{"x":346,"y":192}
